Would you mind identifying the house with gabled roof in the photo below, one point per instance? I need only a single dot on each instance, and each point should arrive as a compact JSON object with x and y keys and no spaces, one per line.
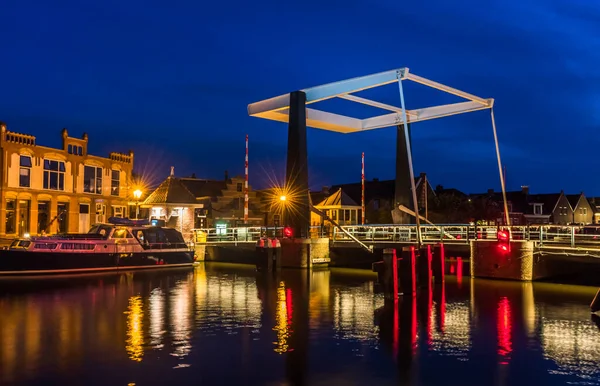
{"x":188,"y":203}
{"x":340,"y":208}
{"x":583,"y":212}
{"x":550,"y":208}
{"x":379,"y":197}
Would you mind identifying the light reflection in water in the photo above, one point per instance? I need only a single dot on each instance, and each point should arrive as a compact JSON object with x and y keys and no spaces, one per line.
{"x":157,"y":317}
{"x":135,"y":336}
{"x":282,"y":322}
{"x":574,"y":346}
{"x":180,"y":325}
{"x":353,"y":310}
{"x":453,"y":338}
{"x":504,"y":330}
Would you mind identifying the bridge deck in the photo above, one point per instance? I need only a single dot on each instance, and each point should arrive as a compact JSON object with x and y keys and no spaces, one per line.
{"x":547,"y":236}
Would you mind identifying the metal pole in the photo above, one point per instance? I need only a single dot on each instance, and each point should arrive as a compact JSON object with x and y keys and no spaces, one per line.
{"x":502,"y":185}
{"x":246,"y":186}
{"x":409,"y":154}
{"x":363,"y":190}
{"x":426,"y":196}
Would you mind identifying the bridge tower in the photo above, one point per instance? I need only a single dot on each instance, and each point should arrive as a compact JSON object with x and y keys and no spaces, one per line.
{"x":292,"y":109}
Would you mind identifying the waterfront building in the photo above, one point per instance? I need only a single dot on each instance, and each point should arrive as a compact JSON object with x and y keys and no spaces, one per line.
{"x":538,"y":209}
{"x":379,"y":197}
{"x":340,"y":208}
{"x":188,"y":203}
{"x":46,"y":190}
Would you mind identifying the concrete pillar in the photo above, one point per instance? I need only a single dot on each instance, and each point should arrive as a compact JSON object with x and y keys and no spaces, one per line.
{"x":438,"y":263}
{"x":408,"y":279}
{"x":487,"y":260}
{"x":297,"y":216}
{"x":403,"y":192}
{"x":424,"y":267}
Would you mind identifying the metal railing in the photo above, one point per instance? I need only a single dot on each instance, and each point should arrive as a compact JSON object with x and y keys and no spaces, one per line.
{"x":567,"y":235}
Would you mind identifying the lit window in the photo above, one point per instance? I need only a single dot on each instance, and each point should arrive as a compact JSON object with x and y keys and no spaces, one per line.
{"x":537,"y":209}
{"x":54,"y":175}
{"x":92,"y":180}
{"x":25,"y":171}
{"x":114,"y":182}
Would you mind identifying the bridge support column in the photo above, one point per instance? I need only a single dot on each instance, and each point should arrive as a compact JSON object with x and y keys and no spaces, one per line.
{"x":408,"y":275}
{"x":424,"y":267}
{"x":304,"y":253}
{"x":487,"y":260}
{"x":297,"y":215}
{"x":438,"y":263}
{"x":403,"y":187}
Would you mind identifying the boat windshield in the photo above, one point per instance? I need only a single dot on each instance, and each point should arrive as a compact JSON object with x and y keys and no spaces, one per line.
{"x":100,"y":229}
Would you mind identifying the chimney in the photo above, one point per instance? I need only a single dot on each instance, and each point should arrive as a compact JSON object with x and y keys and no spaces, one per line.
{"x":193,"y":175}
{"x":490,"y":191}
{"x":226,"y":176}
{"x":172,"y":171}
{"x":375,"y":179}
{"x":422,"y":175}
{"x":525,"y":190}
{"x":325,"y":189}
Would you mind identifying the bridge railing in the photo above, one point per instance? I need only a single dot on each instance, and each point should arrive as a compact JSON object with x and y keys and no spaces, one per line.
{"x":560,"y":235}
{"x":247,"y":234}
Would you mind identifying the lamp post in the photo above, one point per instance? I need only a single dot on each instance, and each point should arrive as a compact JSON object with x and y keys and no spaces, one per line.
{"x":137,"y":194}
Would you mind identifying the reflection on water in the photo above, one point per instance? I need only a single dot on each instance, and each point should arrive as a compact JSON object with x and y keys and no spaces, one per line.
{"x":182,"y":327}
{"x":135,"y":337}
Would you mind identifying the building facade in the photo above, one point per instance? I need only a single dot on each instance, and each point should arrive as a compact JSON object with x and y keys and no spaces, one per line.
{"x":48,"y":191}
{"x":188,"y":203}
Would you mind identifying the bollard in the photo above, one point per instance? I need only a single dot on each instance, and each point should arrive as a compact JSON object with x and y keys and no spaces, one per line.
{"x":408,"y":279}
{"x":424,"y":267}
{"x":438,"y":263}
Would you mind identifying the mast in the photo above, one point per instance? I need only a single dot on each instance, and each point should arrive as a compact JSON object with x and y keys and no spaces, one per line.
{"x":362,"y":199}
{"x":246,"y":185}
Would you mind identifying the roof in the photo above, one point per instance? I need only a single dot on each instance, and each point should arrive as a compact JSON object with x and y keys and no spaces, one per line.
{"x":171,"y":191}
{"x":204,"y":188}
{"x":376,"y":189}
{"x":573,"y":199}
{"x":339,"y":199}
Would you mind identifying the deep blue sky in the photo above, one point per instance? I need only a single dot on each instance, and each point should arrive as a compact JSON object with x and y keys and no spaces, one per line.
{"x":172,"y":80}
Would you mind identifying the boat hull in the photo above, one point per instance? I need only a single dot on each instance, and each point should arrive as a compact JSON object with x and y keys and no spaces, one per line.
{"x":17,"y":262}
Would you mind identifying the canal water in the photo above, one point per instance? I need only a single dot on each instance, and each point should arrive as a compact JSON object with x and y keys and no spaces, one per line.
{"x":229,"y":325}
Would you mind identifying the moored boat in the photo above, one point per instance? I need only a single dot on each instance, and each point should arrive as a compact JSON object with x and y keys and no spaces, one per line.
{"x":120,"y":244}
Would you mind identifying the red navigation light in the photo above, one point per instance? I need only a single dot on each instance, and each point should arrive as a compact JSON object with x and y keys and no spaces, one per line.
{"x":504,"y":240}
{"x":287,"y":232}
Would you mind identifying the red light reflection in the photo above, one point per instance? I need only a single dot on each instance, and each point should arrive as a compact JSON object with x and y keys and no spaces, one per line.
{"x":504,"y":330}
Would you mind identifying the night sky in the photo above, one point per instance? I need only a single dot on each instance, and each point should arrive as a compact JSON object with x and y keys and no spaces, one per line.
{"x":172,"y":80}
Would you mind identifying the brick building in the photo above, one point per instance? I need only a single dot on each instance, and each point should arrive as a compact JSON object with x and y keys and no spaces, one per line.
{"x":48,"y":190}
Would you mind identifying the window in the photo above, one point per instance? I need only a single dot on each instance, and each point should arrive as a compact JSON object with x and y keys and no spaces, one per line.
{"x":118,"y":211}
{"x":114,"y":182}
{"x":92,"y":180}
{"x":537,"y":209}
{"x":25,"y":171}
{"x":239,"y":186}
{"x":62,"y":217}
{"x":11,"y":217}
{"x":75,"y":150}
{"x":54,"y":175}
{"x":583,"y":211}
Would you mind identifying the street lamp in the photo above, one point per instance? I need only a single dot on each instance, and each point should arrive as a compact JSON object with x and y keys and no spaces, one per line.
{"x":282,"y":198}
{"x":137,"y":194}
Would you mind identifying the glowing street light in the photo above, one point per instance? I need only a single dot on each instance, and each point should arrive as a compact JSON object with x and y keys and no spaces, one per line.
{"x":137,"y":194}
{"x":282,"y":198}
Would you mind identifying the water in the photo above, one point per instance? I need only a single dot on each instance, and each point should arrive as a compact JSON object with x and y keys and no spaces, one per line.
{"x":228,"y":325}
